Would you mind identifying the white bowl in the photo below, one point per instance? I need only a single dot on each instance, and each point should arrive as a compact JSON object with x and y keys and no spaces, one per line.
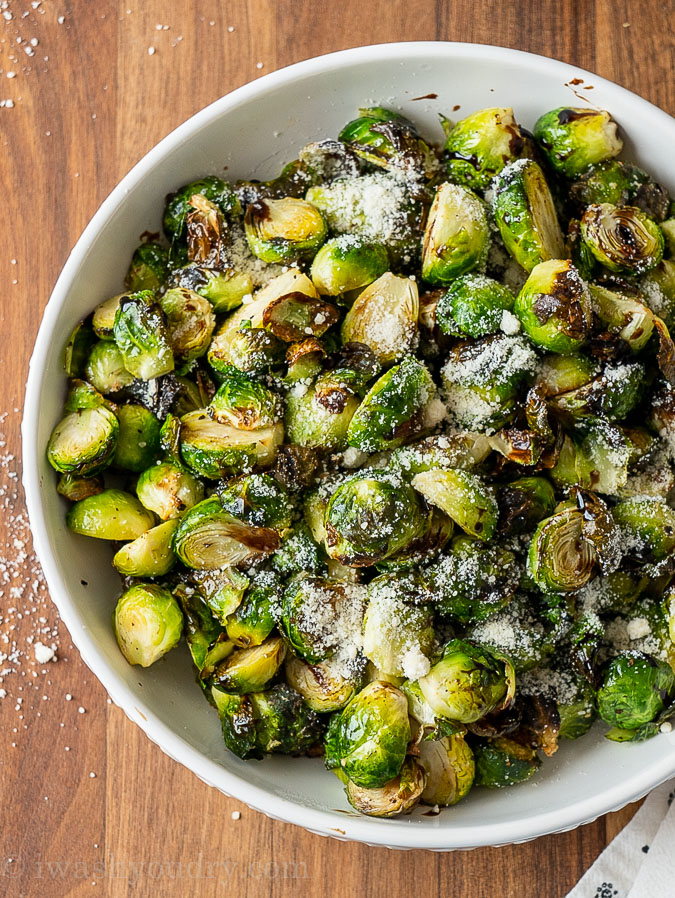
{"x":252,"y":132}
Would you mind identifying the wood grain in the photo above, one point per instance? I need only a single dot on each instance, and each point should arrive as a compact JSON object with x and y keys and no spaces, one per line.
{"x":87,"y":104}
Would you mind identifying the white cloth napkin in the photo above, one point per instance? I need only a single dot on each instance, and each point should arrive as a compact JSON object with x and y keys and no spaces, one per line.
{"x":640,"y":862}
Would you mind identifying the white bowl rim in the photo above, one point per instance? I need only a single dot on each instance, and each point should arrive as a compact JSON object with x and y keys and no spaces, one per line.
{"x":356,"y":828}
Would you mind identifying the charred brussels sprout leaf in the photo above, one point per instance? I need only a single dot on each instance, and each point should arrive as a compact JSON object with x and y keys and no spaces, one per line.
{"x":112,"y":514}
{"x":178,"y":204}
{"x":574,"y":139}
{"x":473,"y":306}
{"x":523,"y":503}
{"x":554,"y":307}
{"x":348,"y":263}
{"x":503,"y":762}
{"x":295,"y":316}
{"x":84,"y":441}
{"x":140,"y":334}
{"x":148,"y":268}
{"x":75,"y":487}
{"x":388,"y":140}
{"x":456,"y":236}
{"x":284,"y":230}
{"x":635,"y":688}
{"x":148,"y":623}
{"x":622,"y":238}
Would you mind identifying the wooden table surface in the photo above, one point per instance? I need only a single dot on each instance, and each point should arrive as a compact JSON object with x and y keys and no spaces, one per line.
{"x":89,"y":806}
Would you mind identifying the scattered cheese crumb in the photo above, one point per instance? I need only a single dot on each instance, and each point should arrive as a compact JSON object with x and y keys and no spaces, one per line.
{"x":43,"y":653}
{"x":236,"y":815}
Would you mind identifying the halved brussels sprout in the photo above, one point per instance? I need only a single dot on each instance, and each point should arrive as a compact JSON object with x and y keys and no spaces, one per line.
{"x":371,"y":517}
{"x":244,"y":402}
{"x":622,"y":238}
{"x":105,"y":368}
{"x":595,"y":459}
{"x":450,"y":769}
{"x":525,"y":214}
{"x":103,"y":319}
{"x":384,"y":318}
{"x":317,"y":418}
{"x":464,"y":497}
{"x":647,"y":526}
{"x":468,"y":682}
{"x":398,"y":796}
{"x":347,"y":263}
{"x":523,"y":503}
{"x":77,"y":349}
{"x":473,"y":306}
{"x":295,"y":317}
{"x":371,"y":735}
{"x":225,"y":290}
{"x":208,"y":538}
{"x":112,"y":514}
{"x":623,"y":184}
{"x":461,"y":450}
{"x":148,"y":623}
{"x":149,"y":555}
{"x":456,"y":236}
{"x":138,"y":440}
{"x":178,"y":204}
{"x":222,"y":591}
{"x":614,"y":394}
{"x":190,"y":322}
{"x":573,"y":138}
{"x":206,"y":232}
{"x":554,"y":307}
{"x":148,"y":268}
{"x":623,"y":315}
{"x":322,"y":686}
{"x":397,"y":635}
{"x":253,"y":349}
{"x":393,"y":409}
{"x":479,"y":146}
{"x":140,"y":335}
{"x":215,"y":450}
{"x":561,"y":373}
{"x":84,"y":441}
{"x":503,"y":762}
{"x":168,"y":490}
{"x":388,"y":140}
{"x":258,"y":499}
{"x":284,"y":230}
{"x":249,"y":670}
{"x":636,"y":687}
{"x":559,"y":559}
{"x":74,"y":487}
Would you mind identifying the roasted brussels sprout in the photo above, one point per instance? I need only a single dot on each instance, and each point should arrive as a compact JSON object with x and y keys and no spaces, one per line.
{"x":647,"y":527}
{"x":348,"y":263}
{"x":522,"y":631}
{"x":75,"y":487}
{"x":398,"y":796}
{"x":150,"y":554}
{"x":138,"y":439}
{"x":371,"y":517}
{"x":103,"y":319}
{"x":215,"y":450}
{"x":504,"y":762}
{"x":596,"y":458}
{"x":622,"y":184}
{"x":284,"y":230}
{"x":554,"y":307}
{"x":450,"y":769}
{"x":190,"y":322}
{"x":525,"y":214}
{"x":388,"y":140}
{"x":523,"y":503}
{"x":105,"y":368}
{"x":473,"y":306}
{"x":77,"y":349}
{"x":148,"y":268}
{"x":319,"y":417}
{"x":574,"y":139}
{"x":479,"y":146}
{"x":464,"y":497}
{"x":111,"y":514}
{"x":625,"y":316}
{"x":178,"y":204}
{"x":559,"y":558}
{"x":244,"y":402}
{"x":250,"y":669}
{"x":168,"y":490}
{"x":141,"y":336}
{"x":84,"y":442}
{"x":258,"y":499}
{"x":635,"y":688}
{"x":371,"y":735}
{"x":225,"y":290}
{"x":384,"y":318}
{"x":456,"y":236}
{"x":622,"y":238}
{"x":148,"y":623}
{"x":321,"y":685}
{"x":468,"y":682}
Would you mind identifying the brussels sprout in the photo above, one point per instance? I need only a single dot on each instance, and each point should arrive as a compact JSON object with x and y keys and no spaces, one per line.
{"x":77,"y":350}
{"x":138,"y":440}
{"x":482,"y":377}
{"x":622,"y":184}
{"x":635,"y":688}
{"x":148,"y":268}
{"x":140,"y":334}
{"x":348,"y":263}
{"x":316,"y":419}
{"x":105,"y":368}
{"x":473,"y":581}
{"x":647,"y":527}
{"x":322,"y":685}
{"x":340,"y":606}
{"x":215,"y":450}
{"x":384,"y":318}
{"x":456,"y":236}
{"x":103,"y":319}
{"x":388,"y":140}
{"x":222,"y":591}
{"x":370,"y":518}
{"x":503,"y":762}
{"x":573,"y":139}
{"x":523,"y":503}
{"x":479,"y":146}
{"x":84,"y":441}
{"x":148,"y":623}
{"x":74,"y":487}
{"x":464,"y":497}
{"x":468,"y":682}
{"x":622,"y":238}
{"x":295,"y":467}
{"x":525,"y":214}
{"x":613,"y":395}
{"x":561,"y":373}
{"x":597,"y":459}
{"x":111,"y":514}
{"x":258,"y":499}
{"x":294,"y":317}
{"x":371,"y":735}
{"x":631,"y":320}
{"x":82,"y":395}
{"x":450,"y":769}
{"x":190,"y":322}
{"x":473,"y":306}
{"x":206,"y":640}
{"x":248,"y":348}
{"x":559,"y":559}
{"x":178,"y":204}
{"x":398,"y":796}
{"x":284,"y":230}
{"x":554,"y":307}
{"x":244,"y":402}
{"x":225,"y":290}
{"x":397,"y":636}
{"x":578,"y":711}
{"x":206,"y":232}
{"x":149,"y":555}
{"x":393,"y":409}
{"x":463,"y":450}
{"x":249,"y":670}
{"x":168,"y":491}
{"x":208,"y":538}
{"x":522,"y":631}
{"x":273,"y":721}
